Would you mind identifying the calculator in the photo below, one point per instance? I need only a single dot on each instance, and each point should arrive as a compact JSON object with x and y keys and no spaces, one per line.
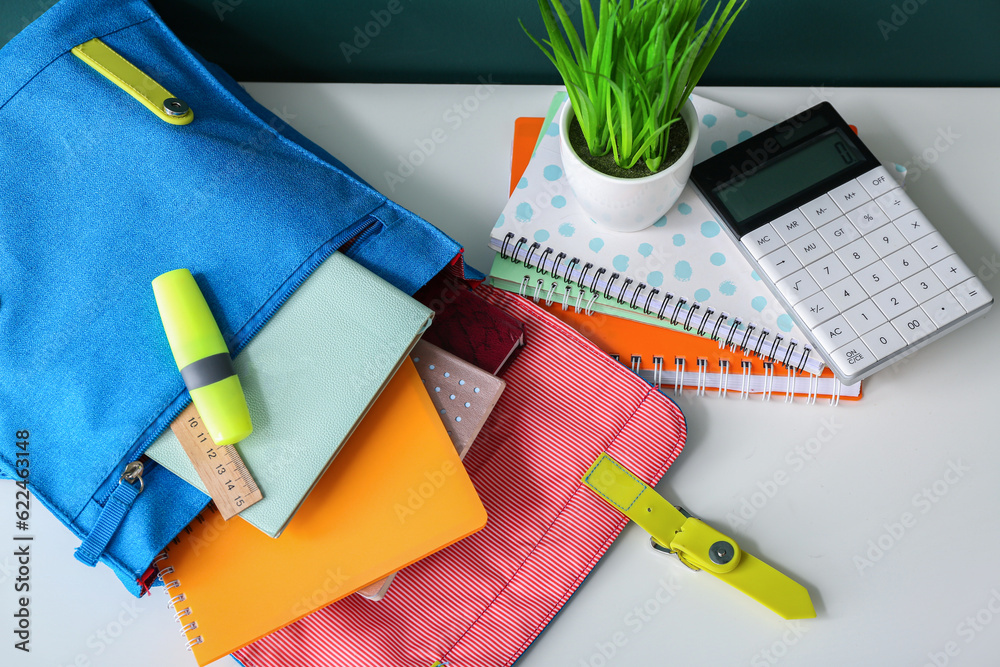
{"x":860,"y":269}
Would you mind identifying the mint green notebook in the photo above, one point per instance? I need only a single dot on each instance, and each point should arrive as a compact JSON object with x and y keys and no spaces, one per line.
{"x":309,"y":376}
{"x":511,"y":276}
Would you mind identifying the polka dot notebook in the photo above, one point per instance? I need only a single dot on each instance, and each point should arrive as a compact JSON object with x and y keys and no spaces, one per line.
{"x":703,"y":284}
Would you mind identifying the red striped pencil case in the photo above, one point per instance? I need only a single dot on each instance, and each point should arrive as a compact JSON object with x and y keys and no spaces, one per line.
{"x":482,"y":601}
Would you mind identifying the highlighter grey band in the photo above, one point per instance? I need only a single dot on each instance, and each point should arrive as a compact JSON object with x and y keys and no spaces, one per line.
{"x":208,"y":371}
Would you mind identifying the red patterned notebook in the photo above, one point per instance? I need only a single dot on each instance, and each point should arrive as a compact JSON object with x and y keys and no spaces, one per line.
{"x":468,"y":327}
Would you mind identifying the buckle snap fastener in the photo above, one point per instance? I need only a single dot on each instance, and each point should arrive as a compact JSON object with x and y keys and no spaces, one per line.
{"x":174,"y":106}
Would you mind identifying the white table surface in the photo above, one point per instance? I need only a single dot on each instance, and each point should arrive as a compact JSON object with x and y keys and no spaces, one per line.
{"x":846,"y":476}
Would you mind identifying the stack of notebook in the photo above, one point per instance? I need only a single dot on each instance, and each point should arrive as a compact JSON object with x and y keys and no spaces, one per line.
{"x":359,"y":430}
{"x":647,"y":297}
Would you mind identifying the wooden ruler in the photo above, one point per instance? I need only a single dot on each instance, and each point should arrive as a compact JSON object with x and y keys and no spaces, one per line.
{"x":223,"y":472}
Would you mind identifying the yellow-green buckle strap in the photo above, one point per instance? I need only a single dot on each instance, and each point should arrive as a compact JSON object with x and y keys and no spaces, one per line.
{"x":695,"y":543}
{"x":134,"y":81}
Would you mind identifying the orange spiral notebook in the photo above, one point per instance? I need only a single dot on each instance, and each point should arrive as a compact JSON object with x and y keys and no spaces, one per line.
{"x":674,"y":360}
{"x":395,"y":494}
{"x":677,"y":361}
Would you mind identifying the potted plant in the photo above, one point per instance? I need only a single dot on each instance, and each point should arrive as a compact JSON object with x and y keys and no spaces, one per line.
{"x":629,"y":131}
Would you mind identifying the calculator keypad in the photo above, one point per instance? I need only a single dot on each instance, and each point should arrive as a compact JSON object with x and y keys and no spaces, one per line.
{"x":865,"y":271}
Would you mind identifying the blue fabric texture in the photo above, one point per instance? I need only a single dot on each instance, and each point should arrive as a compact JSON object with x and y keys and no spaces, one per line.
{"x":99,"y":197}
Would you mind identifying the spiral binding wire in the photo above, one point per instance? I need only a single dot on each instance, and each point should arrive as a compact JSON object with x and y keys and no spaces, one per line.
{"x":725,"y":330}
{"x":176,"y":600}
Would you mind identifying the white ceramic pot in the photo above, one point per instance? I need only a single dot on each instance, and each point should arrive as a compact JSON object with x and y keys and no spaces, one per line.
{"x":626,"y":204}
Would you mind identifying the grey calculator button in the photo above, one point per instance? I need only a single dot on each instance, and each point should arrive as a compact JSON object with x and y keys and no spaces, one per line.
{"x":943,"y":309}
{"x":828,"y":271}
{"x":815,"y":310}
{"x":877,"y":182}
{"x":883,"y":341}
{"x":852,"y":358}
{"x":809,"y":248}
{"x":839,"y":233}
{"x":896,"y":204}
{"x":797,"y":286}
{"x":791,"y":226}
{"x":894,"y":301}
{"x":821,"y":210}
{"x":913,"y":226}
{"x":850,"y":195}
{"x":914,"y":325}
{"x":971,"y":294}
{"x":886,"y":240}
{"x":780,"y":263}
{"x":952,"y":271}
{"x":932,"y":248}
{"x":875,"y":278}
{"x":833,"y":333}
{"x":867,"y":217}
{"x":904,"y":263}
{"x":865,"y":316}
{"x":761,"y":241}
{"x":857,"y":255}
{"x":923,"y":285}
{"x":846,"y":294}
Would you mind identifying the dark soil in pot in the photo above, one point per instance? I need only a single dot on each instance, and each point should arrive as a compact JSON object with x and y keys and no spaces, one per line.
{"x":678,"y":142}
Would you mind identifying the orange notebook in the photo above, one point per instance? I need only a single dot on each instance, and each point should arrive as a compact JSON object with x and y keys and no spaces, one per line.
{"x":673,"y":359}
{"x":396,"y":493}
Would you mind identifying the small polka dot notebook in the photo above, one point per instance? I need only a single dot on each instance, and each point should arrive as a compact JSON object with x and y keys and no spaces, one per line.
{"x":702,"y":284}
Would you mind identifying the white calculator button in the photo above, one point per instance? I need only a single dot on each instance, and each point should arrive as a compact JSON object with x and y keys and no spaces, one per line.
{"x":815,"y":310}
{"x":932,"y":248}
{"x":810,"y":247}
{"x":850,"y":195}
{"x":883,"y":341}
{"x":914,"y":325}
{"x":923,"y":285}
{"x":852,"y":356}
{"x":779,"y":263}
{"x":875,"y":278}
{"x":943,"y":309}
{"x":821,"y":210}
{"x":832,"y":334}
{"x":971,"y":294}
{"x":828,"y":270}
{"x":913,"y":226}
{"x":846,"y":294}
{"x":797,"y":286}
{"x":839,"y":233}
{"x":886,"y":240}
{"x":791,"y":226}
{"x":877,"y":182}
{"x":867,"y":217}
{"x":761,"y":241}
{"x":894,"y":301}
{"x":857,"y":255}
{"x":904,"y":263}
{"x":952,"y":271}
{"x":865,"y":316}
{"x":896,"y":204}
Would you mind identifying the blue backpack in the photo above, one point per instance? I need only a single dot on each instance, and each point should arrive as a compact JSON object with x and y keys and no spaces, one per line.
{"x":100,"y":196}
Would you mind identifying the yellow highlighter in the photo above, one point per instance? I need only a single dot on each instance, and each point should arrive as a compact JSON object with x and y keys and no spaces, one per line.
{"x":202,"y":357}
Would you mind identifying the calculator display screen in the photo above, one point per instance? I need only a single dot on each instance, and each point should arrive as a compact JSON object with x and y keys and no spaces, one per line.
{"x":786,"y":175}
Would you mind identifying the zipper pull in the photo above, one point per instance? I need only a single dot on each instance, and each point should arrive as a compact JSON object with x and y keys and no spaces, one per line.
{"x":112,"y":515}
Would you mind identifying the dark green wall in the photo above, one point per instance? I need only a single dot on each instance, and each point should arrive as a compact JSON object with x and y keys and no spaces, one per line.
{"x":774,"y":42}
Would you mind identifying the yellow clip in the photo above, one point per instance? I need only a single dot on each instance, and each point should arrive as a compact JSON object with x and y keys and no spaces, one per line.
{"x":696,"y":544}
{"x":134,"y":81}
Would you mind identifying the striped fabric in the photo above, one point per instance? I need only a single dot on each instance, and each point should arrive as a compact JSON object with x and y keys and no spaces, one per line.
{"x":482,"y":601}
